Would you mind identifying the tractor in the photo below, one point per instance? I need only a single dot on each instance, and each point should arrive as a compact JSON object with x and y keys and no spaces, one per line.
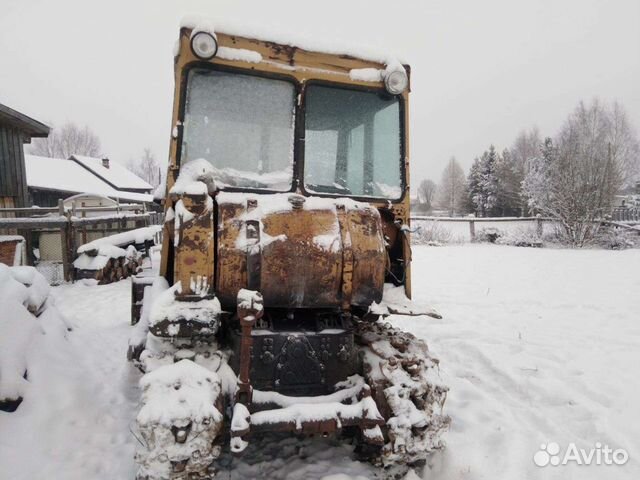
{"x":285,"y":245}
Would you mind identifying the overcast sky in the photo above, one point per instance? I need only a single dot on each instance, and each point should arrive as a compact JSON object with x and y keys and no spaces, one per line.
{"x":482,"y":70}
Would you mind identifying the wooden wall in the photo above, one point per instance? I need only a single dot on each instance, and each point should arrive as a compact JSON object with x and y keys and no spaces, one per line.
{"x":46,"y":198}
{"x":13,"y":179}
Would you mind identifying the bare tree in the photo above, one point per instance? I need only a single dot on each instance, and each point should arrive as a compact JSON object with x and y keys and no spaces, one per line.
{"x":576,"y":179}
{"x":452,"y":188}
{"x":525,"y":148}
{"x":426,"y":195}
{"x":70,"y":139}
{"x":146,"y":167}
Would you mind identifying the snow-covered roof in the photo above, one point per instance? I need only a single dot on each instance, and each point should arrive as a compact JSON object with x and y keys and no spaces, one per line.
{"x":278,"y":35}
{"x":116,"y":175}
{"x":27,"y":124}
{"x":69,"y":176}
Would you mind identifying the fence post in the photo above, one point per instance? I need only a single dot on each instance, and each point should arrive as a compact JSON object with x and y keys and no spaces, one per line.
{"x":539,"y":225}
{"x":472,"y":229}
{"x":66,"y":232}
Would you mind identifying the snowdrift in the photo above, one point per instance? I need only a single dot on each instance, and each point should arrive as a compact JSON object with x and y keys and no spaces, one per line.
{"x":26,"y":313}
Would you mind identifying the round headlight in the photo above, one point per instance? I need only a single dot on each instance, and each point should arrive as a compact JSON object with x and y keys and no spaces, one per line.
{"x":396,"y":82}
{"x":204,"y":45}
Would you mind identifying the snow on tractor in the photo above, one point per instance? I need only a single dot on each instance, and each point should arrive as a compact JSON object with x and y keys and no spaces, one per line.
{"x":285,"y":244}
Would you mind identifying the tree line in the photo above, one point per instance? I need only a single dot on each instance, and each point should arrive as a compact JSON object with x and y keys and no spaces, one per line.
{"x":572,"y":176}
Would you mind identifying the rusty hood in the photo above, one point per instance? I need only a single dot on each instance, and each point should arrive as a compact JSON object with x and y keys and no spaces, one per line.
{"x":299,"y":252}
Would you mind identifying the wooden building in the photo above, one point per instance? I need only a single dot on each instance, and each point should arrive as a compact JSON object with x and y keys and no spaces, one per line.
{"x":16,"y":129}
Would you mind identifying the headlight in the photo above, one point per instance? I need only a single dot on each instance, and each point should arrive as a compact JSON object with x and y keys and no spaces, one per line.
{"x":204,"y":45}
{"x":396,"y":82}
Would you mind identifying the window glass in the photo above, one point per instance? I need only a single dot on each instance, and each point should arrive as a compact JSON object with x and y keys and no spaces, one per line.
{"x":352,"y":143}
{"x":242,"y":125}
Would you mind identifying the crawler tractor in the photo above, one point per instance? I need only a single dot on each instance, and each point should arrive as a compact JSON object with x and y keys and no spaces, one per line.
{"x":285,"y":244}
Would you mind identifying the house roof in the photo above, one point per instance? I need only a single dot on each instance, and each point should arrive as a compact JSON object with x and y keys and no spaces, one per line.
{"x":19,"y":120}
{"x":118,"y":176}
{"x":70,"y":177}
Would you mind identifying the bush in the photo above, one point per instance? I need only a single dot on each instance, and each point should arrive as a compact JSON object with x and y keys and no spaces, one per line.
{"x":431,"y":233}
{"x":521,"y":237}
{"x":615,"y":238}
{"x":517,"y":237}
{"x":489,"y":235}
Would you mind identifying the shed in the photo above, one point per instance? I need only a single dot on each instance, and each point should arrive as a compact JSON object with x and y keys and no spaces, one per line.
{"x":16,"y":129}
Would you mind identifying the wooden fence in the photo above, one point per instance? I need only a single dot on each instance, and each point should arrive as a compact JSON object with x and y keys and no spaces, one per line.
{"x":465,"y":229}
{"x":53,"y":235}
{"x":626,"y":214}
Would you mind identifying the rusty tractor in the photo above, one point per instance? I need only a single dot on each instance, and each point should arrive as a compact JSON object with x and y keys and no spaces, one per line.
{"x":286,"y":242}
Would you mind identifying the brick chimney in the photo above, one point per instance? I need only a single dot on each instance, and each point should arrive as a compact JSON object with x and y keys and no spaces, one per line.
{"x":105,"y":162}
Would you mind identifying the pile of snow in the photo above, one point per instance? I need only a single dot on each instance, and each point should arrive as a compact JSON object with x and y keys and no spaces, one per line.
{"x":239,"y":54}
{"x":178,"y":393}
{"x":196,"y":177}
{"x":166,"y":307}
{"x":137,"y":236}
{"x":395,"y":301}
{"x":101,"y":256}
{"x":96,"y":254}
{"x":23,"y":295}
{"x":199,"y":177}
{"x":366,"y":74}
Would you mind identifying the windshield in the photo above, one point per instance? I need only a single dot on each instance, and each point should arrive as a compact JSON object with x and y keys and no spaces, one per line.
{"x":242,"y":125}
{"x":352,"y":143}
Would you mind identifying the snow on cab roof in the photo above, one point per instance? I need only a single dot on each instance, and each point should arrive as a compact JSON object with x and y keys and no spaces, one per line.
{"x":71,"y":177}
{"x":264,"y":33}
{"x":115,"y":174}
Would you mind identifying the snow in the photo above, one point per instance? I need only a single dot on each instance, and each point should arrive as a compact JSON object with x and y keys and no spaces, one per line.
{"x":118,"y":176}
{"x":17,"y":327}
{"x":282,"y":36}
{"x":309,"y":412}
{"x":99,"y":261}
{"x":349,"y":391}
{"x":178,"y":392}
{"x":239,"y":54}
{"x":82,"y":394}
{"x":536,"y":345}
{"x":138,"y":236}
{"x":96,"y":254}
{"x":281,"y":202}
{"x":167,"y":307}
{"x":394,"y":300}
{"x":366,"y":74}
{"x":37,"y":288}
{"x":194,"y":177}
{"x":68,"y":176}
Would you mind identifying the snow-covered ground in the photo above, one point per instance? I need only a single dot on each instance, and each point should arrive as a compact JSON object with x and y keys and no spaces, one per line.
{"x":537,"y":346}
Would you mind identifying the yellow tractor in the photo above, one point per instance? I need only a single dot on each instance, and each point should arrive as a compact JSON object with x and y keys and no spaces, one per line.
{"x":286,"y":242}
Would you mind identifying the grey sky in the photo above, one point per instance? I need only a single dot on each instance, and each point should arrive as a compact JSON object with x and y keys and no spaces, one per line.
{"x":482,"y":70}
